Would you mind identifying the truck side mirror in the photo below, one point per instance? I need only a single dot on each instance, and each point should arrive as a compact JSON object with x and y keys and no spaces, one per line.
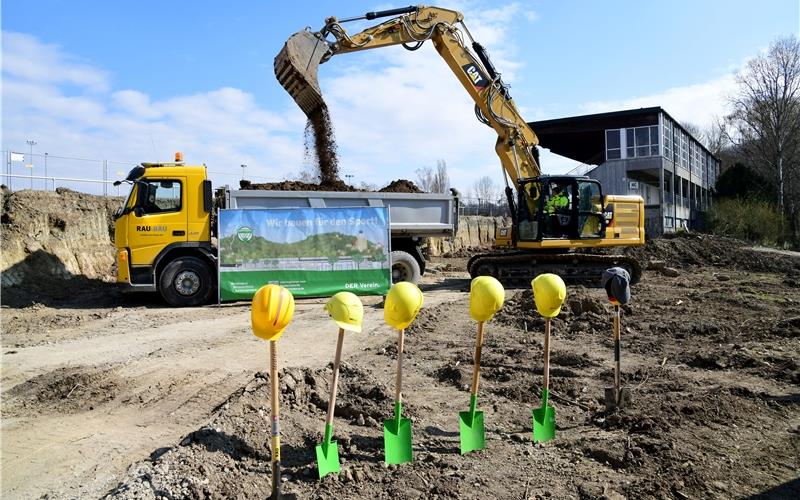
{"x":207,"y":196}
{"x":138,"y":211}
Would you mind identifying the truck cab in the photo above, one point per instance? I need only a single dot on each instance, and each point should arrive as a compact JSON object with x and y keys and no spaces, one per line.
{"x":162,"y":233}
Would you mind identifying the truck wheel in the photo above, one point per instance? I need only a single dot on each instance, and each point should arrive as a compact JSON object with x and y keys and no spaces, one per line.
{"x":186,"y":282}
{"x":404,"y":267}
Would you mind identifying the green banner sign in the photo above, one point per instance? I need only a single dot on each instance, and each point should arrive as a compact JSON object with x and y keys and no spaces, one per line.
{"x":314,"y":252}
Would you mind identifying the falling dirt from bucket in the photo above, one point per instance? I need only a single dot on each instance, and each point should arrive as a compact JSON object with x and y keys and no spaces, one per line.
{"x":296,"y":69}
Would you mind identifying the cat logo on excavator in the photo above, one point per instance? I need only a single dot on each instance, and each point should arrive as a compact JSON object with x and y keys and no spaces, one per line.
{"x":478,"y":80}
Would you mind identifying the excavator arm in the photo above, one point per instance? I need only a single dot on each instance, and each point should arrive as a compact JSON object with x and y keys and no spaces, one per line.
{"x":297,"y":64}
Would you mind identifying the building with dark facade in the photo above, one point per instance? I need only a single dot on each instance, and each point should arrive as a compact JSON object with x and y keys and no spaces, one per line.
{"x":639,"y":151}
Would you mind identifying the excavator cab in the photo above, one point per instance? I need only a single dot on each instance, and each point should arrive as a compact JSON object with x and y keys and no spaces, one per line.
{"x":560,"y":208}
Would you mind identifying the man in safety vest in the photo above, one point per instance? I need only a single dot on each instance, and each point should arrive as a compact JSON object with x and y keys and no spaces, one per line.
{"x":558,"y":202}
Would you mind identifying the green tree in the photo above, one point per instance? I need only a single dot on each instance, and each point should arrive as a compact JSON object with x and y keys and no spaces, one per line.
{"x":740,"y":181}
{"x":380,"y":257}
{"x":332,"y":260}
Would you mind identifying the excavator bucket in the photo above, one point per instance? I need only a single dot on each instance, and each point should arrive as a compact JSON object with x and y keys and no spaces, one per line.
{"x":296,"y":68}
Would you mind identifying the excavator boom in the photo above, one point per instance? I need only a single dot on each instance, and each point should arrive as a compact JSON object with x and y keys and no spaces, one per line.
{"x":296,"y":68}
{"x":542,"y":241}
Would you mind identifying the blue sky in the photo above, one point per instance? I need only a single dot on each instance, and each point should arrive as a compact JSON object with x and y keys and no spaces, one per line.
{"x":136,"y":81}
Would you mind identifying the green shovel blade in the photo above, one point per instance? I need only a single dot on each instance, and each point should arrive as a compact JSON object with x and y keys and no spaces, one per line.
{"x":544,"y":420}
{"x":327,"y":454}
{"x":473,"y":436}
{"x":327,"y":458}
{"x":397,"y":438}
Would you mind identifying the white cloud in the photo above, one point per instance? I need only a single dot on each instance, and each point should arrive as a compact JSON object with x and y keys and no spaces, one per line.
{"x":26,"y":58}
{"x":699,"y":103}
{"x":68,"y":108}
{"x":394,"y":111}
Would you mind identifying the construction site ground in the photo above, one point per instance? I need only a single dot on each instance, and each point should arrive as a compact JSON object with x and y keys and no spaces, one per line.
{"x":107,"y":394}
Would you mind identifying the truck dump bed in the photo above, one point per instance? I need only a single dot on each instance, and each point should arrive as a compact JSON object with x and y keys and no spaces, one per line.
{"x":410,"y":214}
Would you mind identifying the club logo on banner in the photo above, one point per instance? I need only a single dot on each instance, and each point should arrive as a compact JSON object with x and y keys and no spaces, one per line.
{"x":313,"y":252}
{"x":244,"y":233}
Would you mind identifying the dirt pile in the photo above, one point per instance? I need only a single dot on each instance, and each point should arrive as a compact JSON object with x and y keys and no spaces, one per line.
{"x":397,"y":186}
{"x":54,"y":240}
{"x":229,"y":458}
{"x":693,"y":249}
{"x":65,"y":390}
{"x":335,"y":185}
{"x":401,"y":186}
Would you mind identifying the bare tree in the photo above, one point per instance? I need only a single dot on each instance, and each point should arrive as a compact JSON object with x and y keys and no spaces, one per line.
{"x":307,"y":176}
{"x":694,"y":130}
{"x":433,"y":180}
{"x":715,"y":137}
{"x":485,"y":190}
{"x":765,"y":121}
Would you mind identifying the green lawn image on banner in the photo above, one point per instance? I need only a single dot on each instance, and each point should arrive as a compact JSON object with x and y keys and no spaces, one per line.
{"x":314,"y":252}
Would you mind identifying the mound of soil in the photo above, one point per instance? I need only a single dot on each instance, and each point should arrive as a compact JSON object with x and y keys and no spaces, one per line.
{"x":228,"y":457}
{"x":65,"y":390}
{"x":401,"y":186}
{"x":334,"y":185}
{"x":398,"y":186}
{"x":55,"y":243}
{"x":693,"y":249}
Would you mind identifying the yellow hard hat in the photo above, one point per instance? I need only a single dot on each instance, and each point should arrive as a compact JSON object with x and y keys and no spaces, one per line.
{"x":273,"y":308}
{"x":486,"y":297}
{"x":549,"y":293}
{"x":402,"y":304}
{"x":346,"y":310}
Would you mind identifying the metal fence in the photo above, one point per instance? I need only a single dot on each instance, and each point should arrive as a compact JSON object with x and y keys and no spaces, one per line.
{"x":44,"y":171}
{"x":479,"y":206}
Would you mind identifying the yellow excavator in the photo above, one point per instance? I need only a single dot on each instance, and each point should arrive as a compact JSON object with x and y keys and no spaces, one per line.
{"x":560,"y":224}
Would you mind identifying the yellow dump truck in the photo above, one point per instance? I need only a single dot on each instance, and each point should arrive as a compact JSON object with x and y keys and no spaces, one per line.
{"x":165,"y":231}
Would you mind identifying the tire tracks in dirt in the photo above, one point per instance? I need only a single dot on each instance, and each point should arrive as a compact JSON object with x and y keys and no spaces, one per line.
{"x":170,"y":378}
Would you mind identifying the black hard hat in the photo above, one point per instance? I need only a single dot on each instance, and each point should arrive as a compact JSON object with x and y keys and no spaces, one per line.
{"x":616,"y":281}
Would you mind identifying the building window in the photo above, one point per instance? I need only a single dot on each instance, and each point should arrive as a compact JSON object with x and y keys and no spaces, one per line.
{"x":669,"y":222}
{"x":642,"y":141}
{"x":684,"y":150}
{"x":613,"y":146}
{"x":668,"y":139}
{"x":698,"y":160}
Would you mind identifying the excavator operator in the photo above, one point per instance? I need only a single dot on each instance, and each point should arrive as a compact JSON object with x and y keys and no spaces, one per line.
{"x":557,"y":203}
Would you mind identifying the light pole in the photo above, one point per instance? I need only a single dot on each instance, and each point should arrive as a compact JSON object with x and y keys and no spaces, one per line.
{"x":244,"y":166}
{"x":45,"y":174}
{"x":31,"y":143}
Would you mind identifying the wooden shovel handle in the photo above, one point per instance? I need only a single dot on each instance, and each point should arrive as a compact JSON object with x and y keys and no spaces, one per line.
{"x":476,"y":370}
{"x":616,"y":348}
{"x":547,"y":354}
{"x":335,"y":382}
{"x":273,"y":377}
{"x":398,"y":389}
{"x":276,"y":426}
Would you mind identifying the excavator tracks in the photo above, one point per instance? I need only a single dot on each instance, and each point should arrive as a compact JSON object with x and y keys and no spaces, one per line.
{"x":517,"y":269}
